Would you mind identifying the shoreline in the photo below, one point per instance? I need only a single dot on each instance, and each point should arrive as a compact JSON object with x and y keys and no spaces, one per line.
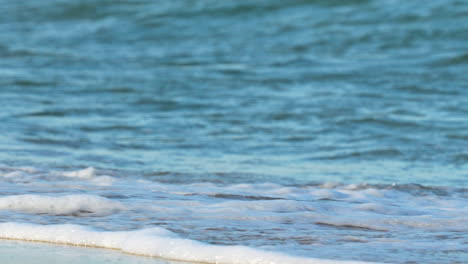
{"x":155,"y":243}
{"x":16,"y":251}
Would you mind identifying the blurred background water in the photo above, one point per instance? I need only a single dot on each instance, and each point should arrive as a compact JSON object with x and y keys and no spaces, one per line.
{"x":345,"y":91}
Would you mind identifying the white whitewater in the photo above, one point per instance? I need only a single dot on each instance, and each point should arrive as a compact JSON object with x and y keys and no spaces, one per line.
{"x":231,"y":223}
{"x":152,"y":242}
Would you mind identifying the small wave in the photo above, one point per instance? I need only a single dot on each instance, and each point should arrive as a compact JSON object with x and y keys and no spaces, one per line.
{"x":47,"y":113}
{"x":74,"y":205}
{"x":69,"y":142}
{"x":152,"y":242}
{"x":242,"y":197}
{"x":384,"y":122}
{"x":32,"y":83}
{"x":411,"y":188}
{"x":351,"y":226}
{"x":428,"y":90}
{"x":89,"y":172}
{"x":60,"y":112}
{"x":453,"y":60}
{"x":370,"y":154}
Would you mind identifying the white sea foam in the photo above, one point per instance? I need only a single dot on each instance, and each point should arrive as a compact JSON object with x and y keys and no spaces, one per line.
{"x":89,"y":172}
{"x":153,"y":242}
{"x":314,"y":221}
{"x":13,"y":174}
{"x":61,"y":205}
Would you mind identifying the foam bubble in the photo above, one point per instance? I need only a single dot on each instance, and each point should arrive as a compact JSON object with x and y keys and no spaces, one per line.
{"x":153,"y":242}
{"x":62,"y":205}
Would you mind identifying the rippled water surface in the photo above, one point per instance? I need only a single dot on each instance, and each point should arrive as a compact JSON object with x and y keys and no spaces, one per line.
{"x":279,"y":125}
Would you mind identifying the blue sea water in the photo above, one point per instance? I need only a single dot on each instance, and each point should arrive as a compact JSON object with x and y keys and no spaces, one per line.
{"x":313,"y":128}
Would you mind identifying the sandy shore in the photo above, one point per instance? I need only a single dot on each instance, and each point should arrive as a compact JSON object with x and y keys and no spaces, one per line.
{"x":20,"y":252}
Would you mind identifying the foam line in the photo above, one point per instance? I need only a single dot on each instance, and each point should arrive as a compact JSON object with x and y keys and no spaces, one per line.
{"x":152,"y":242}
{"x":80,"y":204}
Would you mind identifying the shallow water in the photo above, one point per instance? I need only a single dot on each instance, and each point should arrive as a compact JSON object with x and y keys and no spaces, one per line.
{"x":13,"y":252}
{"x":306,"y":128}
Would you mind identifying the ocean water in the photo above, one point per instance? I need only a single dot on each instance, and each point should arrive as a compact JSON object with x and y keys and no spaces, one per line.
{"x":289,"y":131}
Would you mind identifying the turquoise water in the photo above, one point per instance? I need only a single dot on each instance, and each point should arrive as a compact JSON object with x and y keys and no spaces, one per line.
{"x":323,"y":96}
